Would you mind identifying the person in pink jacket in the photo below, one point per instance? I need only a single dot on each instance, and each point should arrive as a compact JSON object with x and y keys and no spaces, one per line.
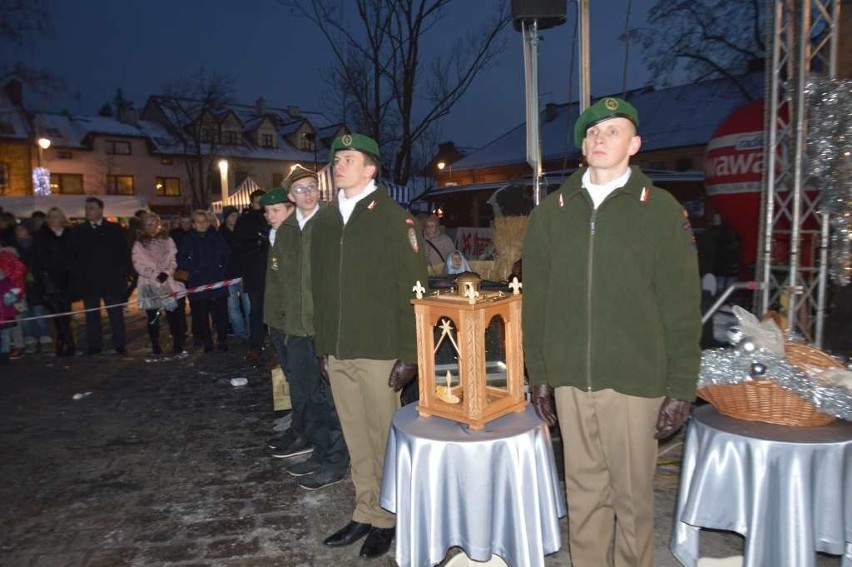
{"x":153,"y":255}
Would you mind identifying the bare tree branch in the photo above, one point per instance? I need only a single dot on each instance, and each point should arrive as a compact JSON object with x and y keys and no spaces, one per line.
{"x":702,"y":38}
{"x":392,"y":90}
{"x":189,"y":106}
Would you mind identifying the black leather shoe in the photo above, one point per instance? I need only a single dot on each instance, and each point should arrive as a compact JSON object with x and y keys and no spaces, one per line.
{"x":352,"y":532}
{"x":378,"y":542}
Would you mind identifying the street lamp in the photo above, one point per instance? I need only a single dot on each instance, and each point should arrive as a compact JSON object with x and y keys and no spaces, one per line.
{"x":441,"y":165}
{"x":43,"y":144}
{"x":223,"y":176}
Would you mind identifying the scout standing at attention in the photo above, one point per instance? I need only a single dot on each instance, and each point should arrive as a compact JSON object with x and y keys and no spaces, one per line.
{"x":288,"y":310}
{"x":612,"y":323}
{"x":366,"y":255}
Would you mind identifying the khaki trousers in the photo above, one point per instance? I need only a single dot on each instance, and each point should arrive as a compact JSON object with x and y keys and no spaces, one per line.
{"x":365,"y":405}
{"x":610,"y":459}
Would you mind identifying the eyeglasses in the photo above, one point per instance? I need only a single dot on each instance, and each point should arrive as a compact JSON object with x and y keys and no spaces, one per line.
{"x":302,"y":189}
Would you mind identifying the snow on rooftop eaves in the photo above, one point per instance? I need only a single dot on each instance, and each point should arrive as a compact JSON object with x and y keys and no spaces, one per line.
{"x":685,"y":115}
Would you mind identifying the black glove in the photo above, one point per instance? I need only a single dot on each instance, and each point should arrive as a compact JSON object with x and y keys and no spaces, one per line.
{"x":162,"y":277}
{"x":542,"y":401}
{"x":323,"y":364}
{"x":673,"y":414}
{"x":401,"y":374}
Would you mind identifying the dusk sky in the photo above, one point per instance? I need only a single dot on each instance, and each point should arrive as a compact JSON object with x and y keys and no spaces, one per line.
{"x":97,"y":46}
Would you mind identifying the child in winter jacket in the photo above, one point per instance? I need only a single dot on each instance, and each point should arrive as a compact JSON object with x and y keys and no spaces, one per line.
{"x":12,"y":273}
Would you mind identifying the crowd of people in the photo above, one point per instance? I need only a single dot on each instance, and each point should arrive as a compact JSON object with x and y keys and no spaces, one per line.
{"x":611,"y":319}
{"x":48,"y":264}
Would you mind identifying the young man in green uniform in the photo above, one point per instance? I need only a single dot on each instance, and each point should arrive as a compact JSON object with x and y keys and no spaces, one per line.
{"x":611,"y":322}
{"x":289,"y":312}
{"x":370,"y":255}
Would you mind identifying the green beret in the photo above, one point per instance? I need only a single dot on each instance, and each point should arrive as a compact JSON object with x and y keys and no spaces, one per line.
{"x":604,"y":109}
{"x":298,"y":172}
{"x":274,"y":196}
{"x":358,"y":142}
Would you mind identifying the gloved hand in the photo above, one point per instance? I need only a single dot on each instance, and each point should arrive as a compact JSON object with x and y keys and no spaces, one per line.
{"x":401,"y":374}
{"x":542,"y":400}
{"x":162,"y":277}
{"x":323,"y":364}
{"x":673,"y":414}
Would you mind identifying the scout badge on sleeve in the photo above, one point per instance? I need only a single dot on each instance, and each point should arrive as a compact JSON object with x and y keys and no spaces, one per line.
{"x":412,"y":239}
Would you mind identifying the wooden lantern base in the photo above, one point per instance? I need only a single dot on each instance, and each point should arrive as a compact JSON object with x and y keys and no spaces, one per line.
{"x":501,"y":406}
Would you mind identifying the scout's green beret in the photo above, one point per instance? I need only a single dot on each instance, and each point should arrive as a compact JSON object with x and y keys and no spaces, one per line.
{"x":604,"y":109}
{"x":358,"y":142}
{"x":274,"y":196}
{"x":297,"y":173}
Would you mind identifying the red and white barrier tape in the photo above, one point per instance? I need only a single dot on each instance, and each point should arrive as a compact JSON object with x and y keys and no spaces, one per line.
{"x":176,"y":294}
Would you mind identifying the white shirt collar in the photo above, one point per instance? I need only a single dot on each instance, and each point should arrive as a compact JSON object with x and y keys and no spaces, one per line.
{"x":347,"y":204}
{"x":302,"y":219}
{"x":599,"y":193}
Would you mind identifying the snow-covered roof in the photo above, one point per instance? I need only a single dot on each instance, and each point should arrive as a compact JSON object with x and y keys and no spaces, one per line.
{"x":70,"y":131}
{"x":288,"y":120}
{"x":679,"y":116}
{"x":13,"y":124}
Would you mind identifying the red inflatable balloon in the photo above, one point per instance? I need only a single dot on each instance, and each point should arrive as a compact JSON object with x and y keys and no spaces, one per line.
{"x":733,"y":172}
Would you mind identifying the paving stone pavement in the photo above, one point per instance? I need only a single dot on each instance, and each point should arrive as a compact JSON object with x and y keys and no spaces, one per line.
{"x":165,"y":464}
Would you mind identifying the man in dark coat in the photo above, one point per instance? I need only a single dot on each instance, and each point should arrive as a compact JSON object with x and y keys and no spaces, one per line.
{"x":101,"y":267}
{"x":251,"y":245}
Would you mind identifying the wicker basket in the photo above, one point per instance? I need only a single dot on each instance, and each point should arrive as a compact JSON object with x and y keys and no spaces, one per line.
{"x":766,"y":401}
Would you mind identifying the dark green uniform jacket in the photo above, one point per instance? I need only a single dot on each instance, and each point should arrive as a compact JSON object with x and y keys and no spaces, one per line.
{"x":363,"y":275}
{"x":287,"y":302}
{"x":611,"y":296}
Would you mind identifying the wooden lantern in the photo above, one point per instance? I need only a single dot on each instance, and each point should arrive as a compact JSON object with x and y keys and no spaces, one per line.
{"x":477,"y":387}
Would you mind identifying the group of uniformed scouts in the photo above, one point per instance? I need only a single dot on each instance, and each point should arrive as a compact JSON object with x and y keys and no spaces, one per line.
{"x":611,"y":330}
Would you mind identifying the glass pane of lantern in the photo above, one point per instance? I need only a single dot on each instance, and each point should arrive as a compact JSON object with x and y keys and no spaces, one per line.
{"x":448,"y":383}
{"x":495,"y":354}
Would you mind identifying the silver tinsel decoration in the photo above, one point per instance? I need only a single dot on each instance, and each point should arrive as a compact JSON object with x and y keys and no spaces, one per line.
{"x":747,"y":361}
{"x":830,"y":162}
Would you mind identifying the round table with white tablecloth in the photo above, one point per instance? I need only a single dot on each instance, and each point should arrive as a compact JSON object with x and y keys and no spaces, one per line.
{"x":494,"y":491}
{"x":787,"y":490}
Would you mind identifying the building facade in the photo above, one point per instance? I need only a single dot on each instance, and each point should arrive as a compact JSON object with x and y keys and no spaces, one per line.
{"x":169,"y":153}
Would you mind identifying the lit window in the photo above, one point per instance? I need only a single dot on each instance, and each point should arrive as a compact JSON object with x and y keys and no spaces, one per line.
{"x":167,"y":187}
{"x":119,"y":184}
{"x":66,"y":183}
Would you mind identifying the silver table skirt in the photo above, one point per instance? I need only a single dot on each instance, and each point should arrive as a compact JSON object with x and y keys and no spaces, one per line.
{"x":494,"y":491}
{"x":787,"y":490}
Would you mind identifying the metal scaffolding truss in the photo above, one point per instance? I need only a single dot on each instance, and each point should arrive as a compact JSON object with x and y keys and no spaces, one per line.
{"x":803,"y":38}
